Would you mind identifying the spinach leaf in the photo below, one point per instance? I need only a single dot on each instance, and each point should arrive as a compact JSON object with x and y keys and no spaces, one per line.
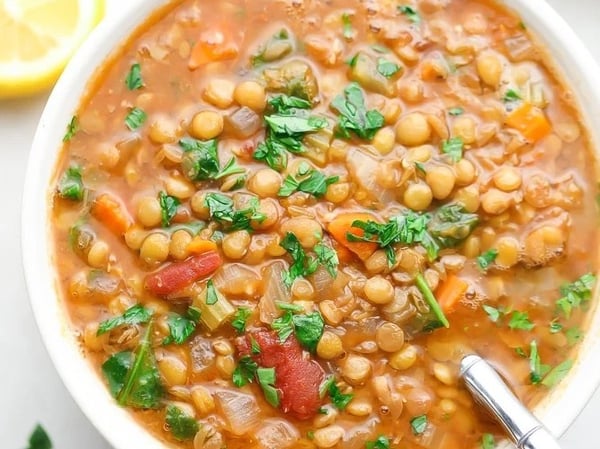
{"x":168,"y":208}
{"x":134,"y":81}
{"x":182,"y":426}
{"x":70,"y":185}
{"x":136,"y":314}
{"x":354,"y":116}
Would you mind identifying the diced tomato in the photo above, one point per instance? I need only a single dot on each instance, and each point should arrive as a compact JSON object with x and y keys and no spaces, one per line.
{"x":297,"y":376}
{"x":178,"y":275}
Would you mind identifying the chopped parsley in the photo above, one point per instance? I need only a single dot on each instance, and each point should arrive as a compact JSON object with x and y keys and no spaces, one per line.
{"x":314,"y":183}
{"x":244,"y":372}
{"x":181,"y":327}
{"x":418,"y":424}
{"x":72,"y":128}
{"x":520,"y":321}
{"x":221,"y":209}
{"x":429,"y":298}
{"x":537,"y":370}
{"x":354,"y":117}
{"x":558,"y":373}
{"x":576,"y":294}
{"x":387,"y":68}
{"x":304,"y":265}
{"x":456,"y":111}
{"x":182,"y":426}
{"x":487,"y":259}
{"x":338,"y":399}
{"x":410,"y":13}
{"x":555,"y":327}
{"x":511,"y":95}
{"x":240,"y":318}
{"x":382,"y":442}
{"x":488,"y":441}
{"x":134,"y":81}
{"x":574,"y":335}
{"x":266,"y":380}
{"x":307,"y":327}
{"x":211,"y":293}
{"x":200,"y":161}
{"x":137,"y":314}
{"x":70,"y":185}
{"x":327,"y":257}
{"x":168,"y":208}
{"x":135,"y":118}
{"x":39,"y":439}
{"x":454,"y":148}
{"x":494,"y":313}
{"x":347,"y":24}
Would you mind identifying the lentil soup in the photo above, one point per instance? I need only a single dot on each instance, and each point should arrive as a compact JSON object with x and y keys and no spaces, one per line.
{"x":282,"y":223}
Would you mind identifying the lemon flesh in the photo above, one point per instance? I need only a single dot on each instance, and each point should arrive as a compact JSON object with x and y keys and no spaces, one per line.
{"x":39,"y":37}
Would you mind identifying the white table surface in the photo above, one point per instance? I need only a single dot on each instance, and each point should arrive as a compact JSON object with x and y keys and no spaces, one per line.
{"x":30,"y":390}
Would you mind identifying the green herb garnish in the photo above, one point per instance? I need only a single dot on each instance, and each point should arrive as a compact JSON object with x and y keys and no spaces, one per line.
{"x":487,"y":259}
{"x":558,"y":373}
{"x":266,"y":380}
{"x":418,"y":424}
{"x":72,"y":128}
{"x":456,"y":111}
{"x":136,"y":314}
{"x":347,"y":24}
{"x":135,"y":118}
{"x":520,"y":321}
{"x":134,"y":80}
{"x":453,"y":148}
{"x":410,"y":13}
{"x":168,"y":208}
{"x":221,"y":209}
{"x":181,"y":327}
{"x":537,"y":371}
{"x":576,"y":294}
{"x":488,"y":441}
{"x":315,"y":183}
{"x":244,"y":372}
{"x":382,"y":442}
{"x":70,"y":185}
{"x":211,"y":293}
{"x":182,"y":426}
{"x":200,"y":161}
{"x":511,"y":95}
{"x":240,"y":318}
{"x":430,"y":300}
{"x":354,"y":117}
{"x":387,"y":68}
{"x":339,"y":400}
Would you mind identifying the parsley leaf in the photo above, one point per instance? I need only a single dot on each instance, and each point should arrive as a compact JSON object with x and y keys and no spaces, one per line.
{"x":576,"y":294}
{"x":488,"y":441}
{"x":182,"y":426}
{"x":266,"y":380}
{"x":574,"y":335}
{"x":410,"y":13}
{"x":133,"y":378}
{"x":487,"y":259}
{"x":382,"y":442}
{"x":181,"y":327}
{"x":511,"y":95}
{"x":221,"y":209}
{"x":454,"y":148}
{"x":418,"y":424}
{"x":308,"y":327}
{"x":39,"y":439}
{"x":302,"y":265}
{"x":520,"y":321}
{"x":135,"y":118}
{"x":244,"y":372}
{"x":537,"y":371}
{"x":200,"y":161}
{"x":70,"y":185}
{"x":555,"y":327}
{"x":136,"y":314}
{"x":134,"y":80}
{"x":72,"y":128}
{"x":354,"y":116}
{"x":327,"y":257}
{"x":315,"y":184}
{"x":168,"y":208}
{"x":494,"y":313}
{"x":387,"y":68}
{"x":284,"y":326}
{"x":347,"y":23}
{"x":340,"y":400}
{"x":456,"y":111}
{"x":557,"y":374}
{"x":211,"y":293}
{"x":240,"y":318}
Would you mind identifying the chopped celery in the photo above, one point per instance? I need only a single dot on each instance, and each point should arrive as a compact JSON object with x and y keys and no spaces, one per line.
{"x":217,"y":312}
{"x":363,"y":70}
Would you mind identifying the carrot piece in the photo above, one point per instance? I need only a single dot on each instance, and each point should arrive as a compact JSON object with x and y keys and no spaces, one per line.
{"x":215,"y":44}
{"x":530,"y":121}
{"x":341,"y":225}
{"x":449,"y":293}
{"x":199,"y":246}
{"x":109,"y":210}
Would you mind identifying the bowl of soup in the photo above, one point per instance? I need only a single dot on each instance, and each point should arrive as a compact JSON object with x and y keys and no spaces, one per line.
{"x":283,"y":223}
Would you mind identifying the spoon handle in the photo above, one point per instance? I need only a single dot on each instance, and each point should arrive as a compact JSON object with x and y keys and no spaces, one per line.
{"x":489,"y":390}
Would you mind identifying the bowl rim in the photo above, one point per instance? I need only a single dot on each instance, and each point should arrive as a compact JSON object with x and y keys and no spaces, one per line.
{"x":573,"y":63}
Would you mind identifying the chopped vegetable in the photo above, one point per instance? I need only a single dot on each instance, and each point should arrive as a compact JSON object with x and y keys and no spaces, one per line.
{"x":39,"y":439}
{"x":456,"y":111}
{"x":244,"y":372}
{"x":216,"y":43}
{"x":576,"y":294}
{"x":134,"y":80}
{"x":372,"y":74}
{"x":136,"y":314}
{"x":574,"y":335}
{"x":555,"y":327}
{"x":382,"y":442}
{"x":72,"y":128}
{"x":537,"y":371}
{"x":327,"y":257}
{"x":110,"y":212}
{"x":240,"y":318}
{"x":454,"y":148}
{"x":557,"y":374}
{"x":387,"y":68}
{"x":410,"y":13}
{"x":307,"y":328}
{"x":430,"y":299}
{"x":418,"y":424}
{"x":70,"y":185}
{"x":314,"y":183}
{"x":135,"y":118}
{"x":343,"y":225}
{"x":179,"y":275}
{"x":520,"y":321}
{"x":511,"y":95}
{"x":266,"y":380}
{"x":181,"y":328}
{"x":221,"y":209}
{"x":530,"y":121}
{"x":200,"y":246}
{"x":450,"y":292}
{"x":277,"y":47}
{"x":340,"y":400}
{"x":133,"y":378}
{"x":200,"y":161}
{"x":487,"y":259}
{"x":214,"y":308}
{"x":347,"y":24}
{"x":302,"y":265}
{"x":354,"y":116}
{"x":168,"y":208}
{"x":488,"y":441}
{"x":494,"y":313}
{"x":182,"y":426}
{"x":294,"y":78}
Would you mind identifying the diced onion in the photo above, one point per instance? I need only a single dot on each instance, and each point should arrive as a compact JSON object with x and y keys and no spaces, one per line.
{"x":275,"y":291}
{"x":239,"y":409}
{"x":363,"y":169}
{"x":276,"y":434}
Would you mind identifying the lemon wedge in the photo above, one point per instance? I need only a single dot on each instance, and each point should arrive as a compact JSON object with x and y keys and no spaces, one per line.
{"x":38,"y":38}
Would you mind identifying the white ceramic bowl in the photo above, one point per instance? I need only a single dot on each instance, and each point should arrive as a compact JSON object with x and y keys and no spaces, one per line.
{"x":573,"y":62}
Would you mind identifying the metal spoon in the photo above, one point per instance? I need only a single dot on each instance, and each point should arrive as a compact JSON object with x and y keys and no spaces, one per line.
{"x":491,"y":392}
